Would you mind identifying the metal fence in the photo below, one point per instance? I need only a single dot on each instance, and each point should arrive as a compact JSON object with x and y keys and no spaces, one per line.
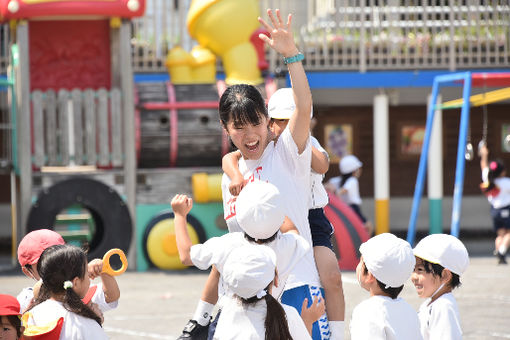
{"x":351,"y":35}
{"x":359,"y":34}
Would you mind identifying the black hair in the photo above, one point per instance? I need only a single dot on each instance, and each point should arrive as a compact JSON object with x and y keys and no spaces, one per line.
{"x":391,"y":291}
{"x":258,"y":241}
{"x":243,"y":104}
{"x":276,"y":325}
{"x":60,"y":263}
{"x":344,"y":178}
{"x":496,"y":168}
{"x":437,"y":270}
{"x":15,"y":322}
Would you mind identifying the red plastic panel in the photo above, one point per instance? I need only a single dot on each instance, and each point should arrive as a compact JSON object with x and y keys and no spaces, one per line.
{"x":69,"y":54}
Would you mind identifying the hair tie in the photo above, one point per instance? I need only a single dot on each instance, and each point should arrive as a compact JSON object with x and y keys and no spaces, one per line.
{"x":261,"y":294}
{"x":68,"y":284}
{"x":493,"y":166}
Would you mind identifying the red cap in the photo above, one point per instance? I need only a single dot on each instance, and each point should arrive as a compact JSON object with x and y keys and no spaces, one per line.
{"x":33,"y":244}
{"x":9,"y":305}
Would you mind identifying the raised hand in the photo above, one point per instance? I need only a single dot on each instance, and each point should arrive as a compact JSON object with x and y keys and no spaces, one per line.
{"x":282,"y":39}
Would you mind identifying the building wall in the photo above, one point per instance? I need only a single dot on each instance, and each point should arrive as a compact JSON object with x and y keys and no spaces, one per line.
{"x":403,"y":169}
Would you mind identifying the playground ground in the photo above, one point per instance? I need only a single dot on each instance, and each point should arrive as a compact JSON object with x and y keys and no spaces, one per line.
{"x":157,"y":304}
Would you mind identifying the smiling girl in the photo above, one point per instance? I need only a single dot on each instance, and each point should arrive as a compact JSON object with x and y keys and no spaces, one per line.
{"x":440,"y":261}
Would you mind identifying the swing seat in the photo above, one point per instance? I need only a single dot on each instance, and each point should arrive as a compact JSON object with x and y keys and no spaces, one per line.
{"x":50,"y":331}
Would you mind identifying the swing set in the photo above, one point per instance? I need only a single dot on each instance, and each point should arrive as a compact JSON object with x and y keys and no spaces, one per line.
{"x":465,"y":148}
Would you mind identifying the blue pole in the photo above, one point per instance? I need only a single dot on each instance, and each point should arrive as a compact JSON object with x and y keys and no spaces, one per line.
{"x":418,"y":190}
{"x":461,"y":162}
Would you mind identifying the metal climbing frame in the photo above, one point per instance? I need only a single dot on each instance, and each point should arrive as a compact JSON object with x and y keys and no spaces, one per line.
{"x":469,"y":79}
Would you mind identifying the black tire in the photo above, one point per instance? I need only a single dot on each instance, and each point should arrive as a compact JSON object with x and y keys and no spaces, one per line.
{"x":109,"y":211}
{"x":199,"y":229}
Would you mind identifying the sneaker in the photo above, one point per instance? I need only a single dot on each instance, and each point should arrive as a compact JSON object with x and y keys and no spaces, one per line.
{"x":501,"y":258}
{"x":194,"y":331}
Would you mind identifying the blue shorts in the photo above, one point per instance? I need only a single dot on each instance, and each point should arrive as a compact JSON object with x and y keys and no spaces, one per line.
{"x":320,"y":227}
{"x":294,"y":297}
{"x":501,"y":218}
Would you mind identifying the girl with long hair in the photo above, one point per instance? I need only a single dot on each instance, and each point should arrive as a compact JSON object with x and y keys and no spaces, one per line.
{"x":65,"y":281}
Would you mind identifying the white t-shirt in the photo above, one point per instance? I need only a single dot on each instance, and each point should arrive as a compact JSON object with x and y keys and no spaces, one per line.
{"x":289,"y":249}
{"x":289,"y":171}
{"x":352,"y":187}
{"x":318,"y":194}
{"x":440,"y":319}
{"x":381,"y":317}
{"x":27,"y":294}
{"x":503,"y":183}
{"x":76,"y":327}
{"x":239,"y":322}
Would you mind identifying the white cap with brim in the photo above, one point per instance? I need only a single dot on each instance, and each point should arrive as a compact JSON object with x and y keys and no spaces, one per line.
{"x":389,"y":259}
{"x":249,"y":269}
{"x":348,"y":164}
{"x":281,"y":105}
{"x":259,"y":210}
{"x":445,"y":250}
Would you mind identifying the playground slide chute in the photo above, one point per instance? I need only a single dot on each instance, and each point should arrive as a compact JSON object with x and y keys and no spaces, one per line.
{"x":349,"y":232}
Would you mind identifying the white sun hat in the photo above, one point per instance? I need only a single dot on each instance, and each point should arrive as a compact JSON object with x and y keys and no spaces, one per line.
{"x":444,"y":249}
{"x":389,"y":258}
{"x":259,"y":210}
{"x":249,"y":269}
{"x":281,"y":105}
{"x":348,"y":164}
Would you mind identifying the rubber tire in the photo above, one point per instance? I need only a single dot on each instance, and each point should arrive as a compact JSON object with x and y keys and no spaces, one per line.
{"x":111,"y":215}
{"x":199,"y":229}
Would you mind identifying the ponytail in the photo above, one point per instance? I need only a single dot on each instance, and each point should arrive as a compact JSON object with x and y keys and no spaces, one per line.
{"x":344,"y":179}
{"x":276,"y":325}
{"x":58,"y":264}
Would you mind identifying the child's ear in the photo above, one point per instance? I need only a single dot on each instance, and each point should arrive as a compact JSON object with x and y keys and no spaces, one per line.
{"x":446,"y":275}
{"x":370,"y":278}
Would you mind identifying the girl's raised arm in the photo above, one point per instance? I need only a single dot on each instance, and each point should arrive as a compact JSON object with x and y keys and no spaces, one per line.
{"x":282,"y":41}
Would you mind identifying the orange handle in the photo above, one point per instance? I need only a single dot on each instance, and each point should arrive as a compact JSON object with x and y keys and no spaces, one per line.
{"x":107,"y":268}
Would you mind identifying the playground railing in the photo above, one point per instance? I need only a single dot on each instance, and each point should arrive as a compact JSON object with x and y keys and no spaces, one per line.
{"x":357,"y":35}
{"x":77,"y":128}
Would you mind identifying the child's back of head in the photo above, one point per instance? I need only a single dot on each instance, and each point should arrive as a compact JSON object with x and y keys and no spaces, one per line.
{"x":63,"y":270}
{"x":390,"y":260}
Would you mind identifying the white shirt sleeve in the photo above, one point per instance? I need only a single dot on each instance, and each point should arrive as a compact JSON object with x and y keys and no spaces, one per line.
{"x":100,"y":299}
{"x":298,"y":163}
{"x":485,"y":175}
{"x":214,"y":251}
{"x":297,"y":327}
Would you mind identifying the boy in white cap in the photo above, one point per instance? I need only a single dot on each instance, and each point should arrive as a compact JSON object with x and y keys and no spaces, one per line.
{"x":253,"y":313}
{"x":280,"y":108}
{"x":385,"y":265}
{"x":259,"y":215}
{"x":440,"y":261}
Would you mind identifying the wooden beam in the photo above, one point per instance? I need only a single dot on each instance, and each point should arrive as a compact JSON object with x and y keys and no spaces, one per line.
{"x":128,"y":112}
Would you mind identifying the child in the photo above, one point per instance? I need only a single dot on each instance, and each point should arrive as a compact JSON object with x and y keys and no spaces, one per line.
{"x":286,"y":164}
{"x":10,"y":322}
{"x":440,"y":260}
{"x":280,"y":108}
{"x":259,"y":215}
{"x":253,"y":313}
{"x":496,"y":186}
{"x":347,"y":186}
{"x":65,"y":281}
{"x":105,"y":295}
{"x":385,"y":265}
